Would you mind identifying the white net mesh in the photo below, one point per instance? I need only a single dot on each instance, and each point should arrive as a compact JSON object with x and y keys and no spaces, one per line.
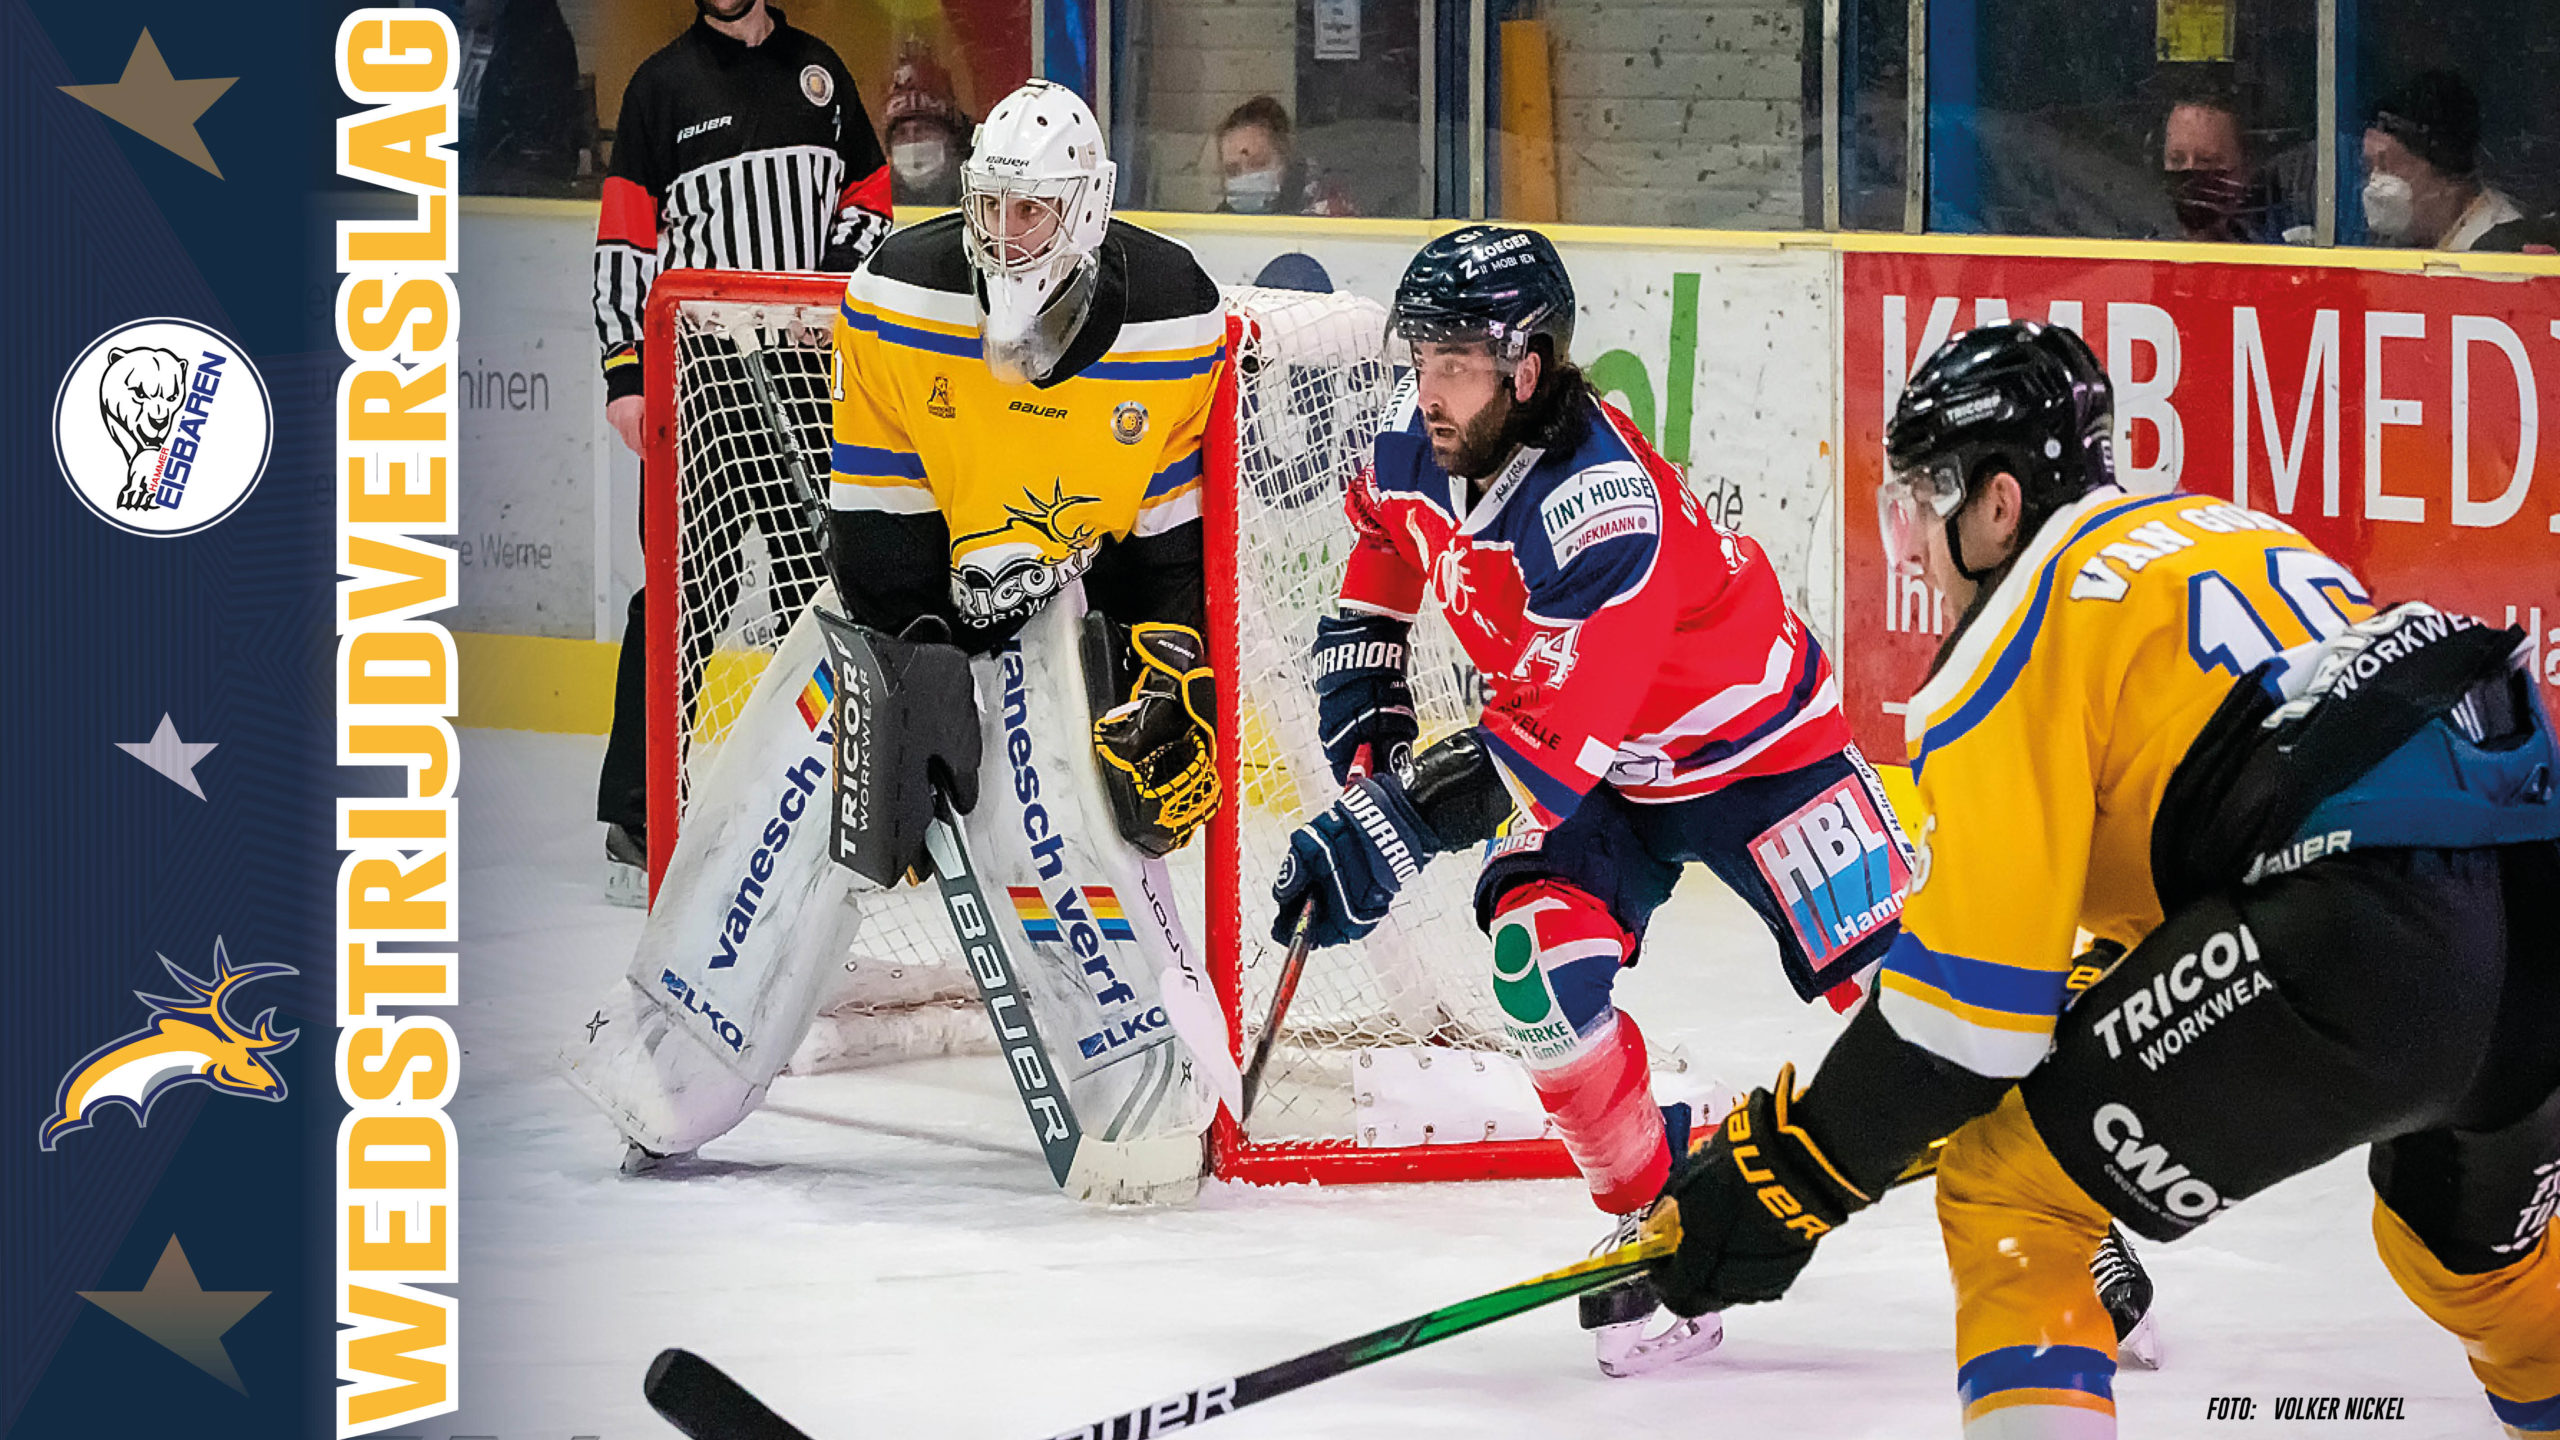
{"x":752,"y":424}
{"x":1312,"y":389}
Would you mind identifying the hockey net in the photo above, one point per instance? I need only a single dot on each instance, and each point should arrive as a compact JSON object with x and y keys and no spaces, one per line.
{"x":739,"y":426}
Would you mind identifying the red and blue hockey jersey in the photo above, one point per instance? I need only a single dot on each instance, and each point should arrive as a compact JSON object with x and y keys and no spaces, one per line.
{"x":1624,"y":638}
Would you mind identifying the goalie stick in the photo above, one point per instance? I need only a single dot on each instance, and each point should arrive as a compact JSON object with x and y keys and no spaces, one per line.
{"x":1035,"y":1078}
{"x":701,"y":1400}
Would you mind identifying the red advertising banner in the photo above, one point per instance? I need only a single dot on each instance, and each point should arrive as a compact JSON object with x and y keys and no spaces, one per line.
{"x":2394,"y":418}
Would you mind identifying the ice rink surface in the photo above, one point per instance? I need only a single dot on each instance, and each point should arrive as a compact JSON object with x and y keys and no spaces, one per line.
{"x":882,"y":1254}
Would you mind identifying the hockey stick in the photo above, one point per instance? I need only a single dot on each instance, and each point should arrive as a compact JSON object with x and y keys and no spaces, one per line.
{"x":1035,"y":1076}
{"x":786,"y":440}
{"x":700,"y":1400}
{"x":1300,"y":942}
{"x":1088,"y":1166}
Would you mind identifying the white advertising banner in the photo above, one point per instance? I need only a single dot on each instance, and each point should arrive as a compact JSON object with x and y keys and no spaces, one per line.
{"x":1725,"y":358}
{"x":532,"y":409}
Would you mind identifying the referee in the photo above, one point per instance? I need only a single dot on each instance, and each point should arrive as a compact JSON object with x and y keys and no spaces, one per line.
{"x":742,"y":146}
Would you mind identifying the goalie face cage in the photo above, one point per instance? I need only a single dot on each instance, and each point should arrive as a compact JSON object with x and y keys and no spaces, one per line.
{"x":733,"y":359}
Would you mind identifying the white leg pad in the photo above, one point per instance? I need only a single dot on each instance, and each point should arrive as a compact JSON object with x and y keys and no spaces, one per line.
{"x":750,"y":920}
{"x":660,"y":1084}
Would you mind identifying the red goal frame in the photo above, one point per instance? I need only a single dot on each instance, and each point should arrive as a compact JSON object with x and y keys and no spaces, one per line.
{"x":1233,"y":1155}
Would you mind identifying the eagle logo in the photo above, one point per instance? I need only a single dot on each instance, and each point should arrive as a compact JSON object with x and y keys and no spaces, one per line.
{"x":139,"y":397}
{"x":1042,"y":518}
{"x":190,"y":1039}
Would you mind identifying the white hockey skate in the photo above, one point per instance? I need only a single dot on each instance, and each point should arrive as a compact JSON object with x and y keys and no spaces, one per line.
{"x":626,"y":869}
{"x":1631,"y":1334}
{"x":638,"y":1159}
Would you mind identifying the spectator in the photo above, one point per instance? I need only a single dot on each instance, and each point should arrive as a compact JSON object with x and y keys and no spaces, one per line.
{"x":1263,"y":173}
{"x":2422,"y":159}
{"x":928,"y":132}
{"x":2535,"y":235}
{"x":2204,"y":162}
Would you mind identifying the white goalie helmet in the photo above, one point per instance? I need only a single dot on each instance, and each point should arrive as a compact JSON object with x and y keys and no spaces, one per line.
{"x":1035,"y":202}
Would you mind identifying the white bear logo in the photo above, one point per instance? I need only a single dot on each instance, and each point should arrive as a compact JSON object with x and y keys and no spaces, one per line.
{"x":139,"y":397}
{"x":163,"y":427}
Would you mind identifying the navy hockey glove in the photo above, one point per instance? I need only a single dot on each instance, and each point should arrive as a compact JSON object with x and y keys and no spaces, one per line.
{"x":1752,"y":1203}
{"x":1349,"y":862}
{"x":1363,"y":702}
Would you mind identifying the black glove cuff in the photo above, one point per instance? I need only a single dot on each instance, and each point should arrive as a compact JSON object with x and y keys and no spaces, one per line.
{"x":1457,"y":791}
{"x":1879,"y":1100}
{"x":623,"y":378}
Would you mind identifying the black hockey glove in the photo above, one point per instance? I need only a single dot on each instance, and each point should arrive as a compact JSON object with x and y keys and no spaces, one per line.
{"x":1752,"y":1203}
{"x":1348,"y":863}
{"x":1364,"y":707}
{"x":1159,"y":747}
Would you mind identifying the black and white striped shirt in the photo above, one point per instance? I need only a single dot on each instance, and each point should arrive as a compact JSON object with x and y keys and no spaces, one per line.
{"x":733,"y":157}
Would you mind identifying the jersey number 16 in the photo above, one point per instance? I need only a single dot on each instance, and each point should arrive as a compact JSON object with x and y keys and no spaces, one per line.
{"x":2227,"y":630}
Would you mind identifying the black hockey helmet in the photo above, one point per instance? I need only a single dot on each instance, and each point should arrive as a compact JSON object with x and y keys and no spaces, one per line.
{"x":2027,"y":398}
{"x":1492,"y":283}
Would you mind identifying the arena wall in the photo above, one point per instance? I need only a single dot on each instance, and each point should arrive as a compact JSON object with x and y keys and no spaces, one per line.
{"x":1758,"y":359}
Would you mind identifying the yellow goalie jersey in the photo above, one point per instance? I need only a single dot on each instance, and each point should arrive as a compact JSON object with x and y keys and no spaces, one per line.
{"x":956,"y":494}
{"x":2042,"y":744}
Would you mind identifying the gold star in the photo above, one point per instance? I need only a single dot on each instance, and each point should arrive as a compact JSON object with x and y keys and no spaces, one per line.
{"x":182,"y":1315}
{"x":157,"y":105}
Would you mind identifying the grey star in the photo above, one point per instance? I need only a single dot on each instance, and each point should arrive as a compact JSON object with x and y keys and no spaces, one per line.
{"x":595,"y":1025}
{"x":169,"y":755}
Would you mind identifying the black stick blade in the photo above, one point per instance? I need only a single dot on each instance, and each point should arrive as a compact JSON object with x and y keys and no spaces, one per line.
{"x":698,"y":1398}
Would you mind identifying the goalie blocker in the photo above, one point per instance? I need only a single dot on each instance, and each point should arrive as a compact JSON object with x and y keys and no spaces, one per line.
{"x":754,"y":912}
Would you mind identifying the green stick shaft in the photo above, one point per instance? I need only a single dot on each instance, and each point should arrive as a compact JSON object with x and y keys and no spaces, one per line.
{"x":1661,"y":1235}
{"x":703,"y":1402}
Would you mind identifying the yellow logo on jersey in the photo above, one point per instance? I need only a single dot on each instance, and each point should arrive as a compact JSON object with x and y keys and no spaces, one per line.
{"x":1041,"y":518}
{"x":939,"y":401}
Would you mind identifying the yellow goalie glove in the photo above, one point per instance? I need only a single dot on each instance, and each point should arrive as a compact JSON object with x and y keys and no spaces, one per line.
{"x":1159,"y":746}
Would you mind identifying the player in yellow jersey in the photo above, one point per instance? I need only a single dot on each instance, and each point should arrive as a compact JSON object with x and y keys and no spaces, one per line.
{"x":1022,"y":387}
{"x":2317,"y":845}
{"x":1021,"y":390}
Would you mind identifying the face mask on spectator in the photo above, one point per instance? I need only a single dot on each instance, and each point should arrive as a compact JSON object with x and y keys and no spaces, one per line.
{"x":2387,"y":204}
{"x":920,"y":162}
{"x":1255,"y":192}
{"x":2208,"y":200}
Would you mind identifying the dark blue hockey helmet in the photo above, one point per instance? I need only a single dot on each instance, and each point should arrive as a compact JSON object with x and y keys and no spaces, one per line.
{"x":1490,"y":283}
{"x":2027,"y":398}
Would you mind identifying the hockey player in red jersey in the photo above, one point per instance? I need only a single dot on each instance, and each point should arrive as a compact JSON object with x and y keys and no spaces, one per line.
{"x":1652,"y":702}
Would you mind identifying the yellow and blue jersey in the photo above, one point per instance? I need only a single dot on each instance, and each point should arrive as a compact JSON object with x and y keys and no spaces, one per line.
{"x":958,"y":494}
{"x":2042,"y":744}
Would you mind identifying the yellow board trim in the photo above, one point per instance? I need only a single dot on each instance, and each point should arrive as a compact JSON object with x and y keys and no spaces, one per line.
{"x":536,"y":682}
{"x":565,"y":687}
{"x":1286,"y":227}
